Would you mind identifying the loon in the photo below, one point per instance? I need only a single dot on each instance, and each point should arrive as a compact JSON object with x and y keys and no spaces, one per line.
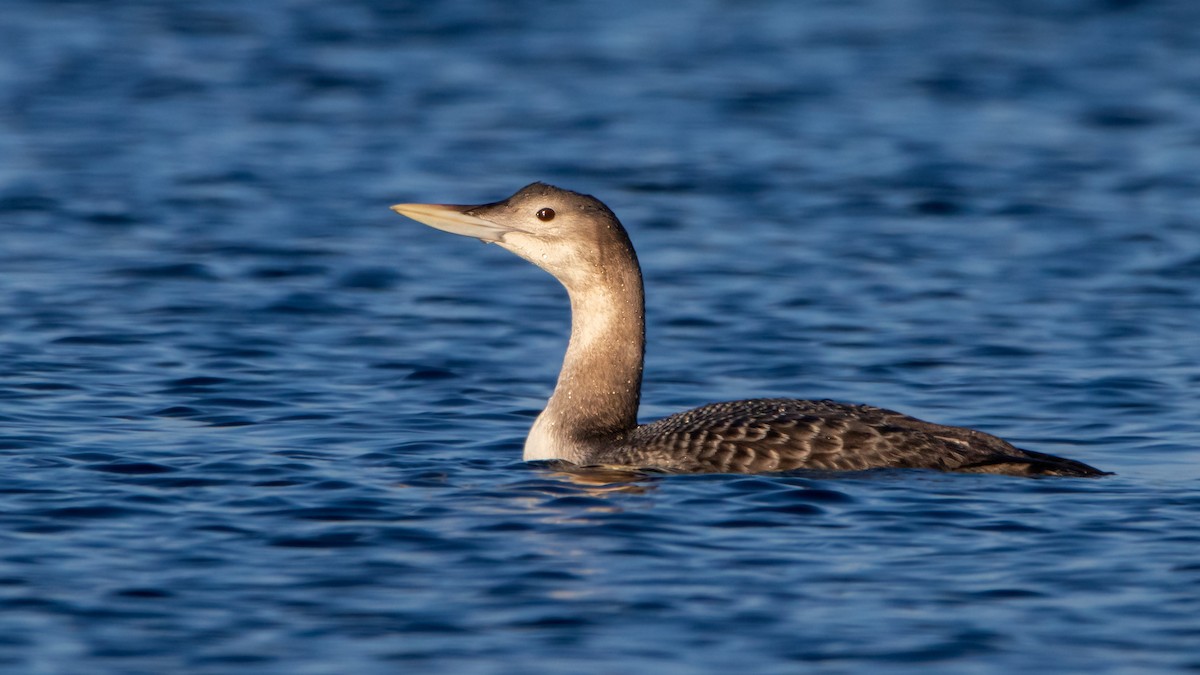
{"x":591,"y":418}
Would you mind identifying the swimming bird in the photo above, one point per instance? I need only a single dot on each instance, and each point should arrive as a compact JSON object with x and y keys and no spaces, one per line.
{"x":591,"y":418}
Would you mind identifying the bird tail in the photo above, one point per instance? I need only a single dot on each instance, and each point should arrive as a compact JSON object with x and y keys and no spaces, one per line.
{"x":1030,"y":463}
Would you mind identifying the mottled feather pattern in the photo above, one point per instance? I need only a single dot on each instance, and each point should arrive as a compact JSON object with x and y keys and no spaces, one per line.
{"x":763,"y":435}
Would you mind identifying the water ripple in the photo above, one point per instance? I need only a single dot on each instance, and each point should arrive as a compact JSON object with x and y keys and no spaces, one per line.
{"x":253,"y":422}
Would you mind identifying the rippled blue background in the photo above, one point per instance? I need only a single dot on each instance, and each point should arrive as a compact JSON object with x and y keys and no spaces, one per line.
{"x":252,"y":421}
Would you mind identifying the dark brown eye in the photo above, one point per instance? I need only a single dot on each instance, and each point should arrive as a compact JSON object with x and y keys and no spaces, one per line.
{"x":545,"y":214}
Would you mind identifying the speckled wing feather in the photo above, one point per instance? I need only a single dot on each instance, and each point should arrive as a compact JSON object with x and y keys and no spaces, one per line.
{"x":765,"y":435}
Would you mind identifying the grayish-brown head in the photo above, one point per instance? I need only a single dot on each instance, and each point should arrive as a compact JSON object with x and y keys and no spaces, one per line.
{"x":570,"y":235}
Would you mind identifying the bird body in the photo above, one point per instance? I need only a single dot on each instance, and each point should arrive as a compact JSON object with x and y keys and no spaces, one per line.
{"x":591,"y":418}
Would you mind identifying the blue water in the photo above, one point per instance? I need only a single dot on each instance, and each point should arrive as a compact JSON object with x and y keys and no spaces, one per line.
{"x":252,"y":421}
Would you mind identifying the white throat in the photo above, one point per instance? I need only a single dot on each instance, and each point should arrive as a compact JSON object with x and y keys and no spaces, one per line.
{"x":543,"y":442}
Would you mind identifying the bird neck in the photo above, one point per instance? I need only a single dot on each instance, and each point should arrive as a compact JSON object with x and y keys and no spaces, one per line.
{"x":599,"y":388}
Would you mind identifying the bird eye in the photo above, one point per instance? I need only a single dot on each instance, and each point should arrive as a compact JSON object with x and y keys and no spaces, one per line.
{"x":545,"y":214}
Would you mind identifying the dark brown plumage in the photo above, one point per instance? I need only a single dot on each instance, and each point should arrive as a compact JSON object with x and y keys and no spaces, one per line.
{"x":764,"y":435}
{"x":592,"y":417}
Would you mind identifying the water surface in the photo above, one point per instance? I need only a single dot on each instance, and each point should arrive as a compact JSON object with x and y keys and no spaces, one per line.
{"x":252,"y":421}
